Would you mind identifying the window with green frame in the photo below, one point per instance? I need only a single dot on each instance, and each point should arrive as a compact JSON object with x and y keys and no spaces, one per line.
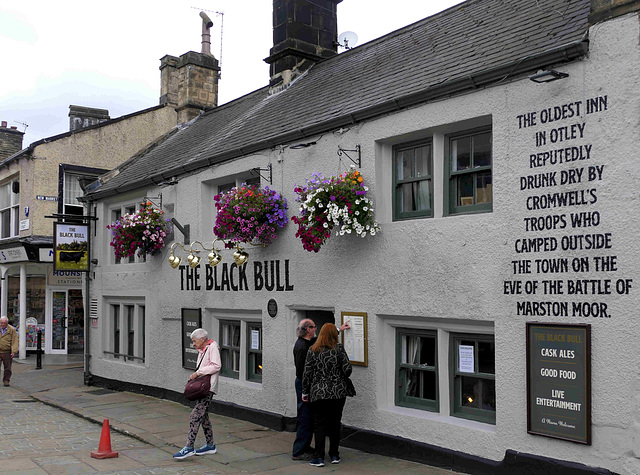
{"x":417,"y":369}
{"x":473,"y":394}
{"x":230,"y":348}
{"x":412,"y":180}
{"x":469,"y":179}
{"x":254,"y":352}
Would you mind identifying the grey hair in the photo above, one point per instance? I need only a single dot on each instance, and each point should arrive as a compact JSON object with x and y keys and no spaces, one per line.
{"x":200,"y":334}
{"x":303,"y":326}
{"x":4,"y":318}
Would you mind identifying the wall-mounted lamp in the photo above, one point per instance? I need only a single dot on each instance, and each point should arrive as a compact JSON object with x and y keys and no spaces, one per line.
{"x":548,"y":76}
{"x":214,"y":257}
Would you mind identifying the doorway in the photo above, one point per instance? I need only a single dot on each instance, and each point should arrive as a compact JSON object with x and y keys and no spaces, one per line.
{"x":66,"y":322}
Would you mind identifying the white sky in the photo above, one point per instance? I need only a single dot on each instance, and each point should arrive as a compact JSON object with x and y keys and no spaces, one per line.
{"x":107,"y":54}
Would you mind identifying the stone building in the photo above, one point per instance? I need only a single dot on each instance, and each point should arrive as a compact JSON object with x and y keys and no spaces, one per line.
{"x":47,"y":177}
{"x":495,"y":307}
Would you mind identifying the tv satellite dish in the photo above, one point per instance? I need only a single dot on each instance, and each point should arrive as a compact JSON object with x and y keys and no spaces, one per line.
{"x":348,"y":39}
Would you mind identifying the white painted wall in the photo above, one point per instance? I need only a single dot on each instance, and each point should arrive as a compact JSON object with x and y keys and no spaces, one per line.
{"x":444,"y":273}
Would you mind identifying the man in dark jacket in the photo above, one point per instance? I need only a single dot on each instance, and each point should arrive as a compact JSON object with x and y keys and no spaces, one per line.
{"x":302,"y":450}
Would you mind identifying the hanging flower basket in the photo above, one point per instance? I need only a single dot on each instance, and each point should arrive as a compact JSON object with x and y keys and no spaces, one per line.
{"x":249,"y":214}
{"x":338,"y":202}
{"x":142,"y":232}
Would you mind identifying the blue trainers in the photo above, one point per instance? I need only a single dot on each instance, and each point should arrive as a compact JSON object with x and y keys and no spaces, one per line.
{"x":184,"y":453}
{"x":335,"y":459}
{"x":206,"y":449}
{"x":317,"y":462}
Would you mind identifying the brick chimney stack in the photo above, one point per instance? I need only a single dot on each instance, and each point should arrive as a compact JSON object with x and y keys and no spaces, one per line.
{"x":10,"y":140}
{"x":81,"y":117}
{"x":303,"y":33}
{"x":190,"y":83}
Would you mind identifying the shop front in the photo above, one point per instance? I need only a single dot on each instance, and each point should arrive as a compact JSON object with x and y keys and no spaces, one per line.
{"x":54,"y":307}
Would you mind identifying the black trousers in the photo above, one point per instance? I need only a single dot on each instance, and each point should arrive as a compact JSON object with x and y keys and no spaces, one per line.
{"x":327,"y":414}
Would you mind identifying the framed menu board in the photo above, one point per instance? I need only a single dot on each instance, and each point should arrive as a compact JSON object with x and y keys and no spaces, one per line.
{"x":191,"y":320}
{"x":559,"y":381}
{"x":354,"y":339}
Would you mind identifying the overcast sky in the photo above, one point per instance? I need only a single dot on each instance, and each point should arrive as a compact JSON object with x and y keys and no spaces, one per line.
{"x":107,"y":54}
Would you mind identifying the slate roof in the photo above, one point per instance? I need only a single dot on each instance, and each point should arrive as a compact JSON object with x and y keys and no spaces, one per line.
{"x":474,"y":44}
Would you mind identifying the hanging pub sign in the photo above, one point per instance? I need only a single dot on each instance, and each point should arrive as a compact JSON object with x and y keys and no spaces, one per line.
{"x":71,"y":246}
{"x":559,"y":381}
{"x":191,"y":320}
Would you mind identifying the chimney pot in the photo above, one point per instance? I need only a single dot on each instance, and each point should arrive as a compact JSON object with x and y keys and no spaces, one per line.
{"x":4,"y":123}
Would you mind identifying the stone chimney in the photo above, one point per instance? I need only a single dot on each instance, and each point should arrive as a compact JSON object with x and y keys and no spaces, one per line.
{"x":10,"y":140}
{"x":303,"y":33}
{"x":602,"y":10}
{"x":190,"y":83}
{"x":81,"y":117}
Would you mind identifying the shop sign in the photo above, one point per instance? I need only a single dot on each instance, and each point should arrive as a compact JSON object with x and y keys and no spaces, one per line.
{"x":45,"y":254}
{"x":13,"y":254}
{"x":71,"y":244}
{"x":191,"y":320}
{"x":61,"y":277}
{"x":272,"y":276}
{"x":559,"y":381}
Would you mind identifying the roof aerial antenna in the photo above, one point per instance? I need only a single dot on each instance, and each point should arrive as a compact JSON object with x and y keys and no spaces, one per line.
{"x":347,"y":40}
{"x":206,"y":36}
{"x":22,"y":123}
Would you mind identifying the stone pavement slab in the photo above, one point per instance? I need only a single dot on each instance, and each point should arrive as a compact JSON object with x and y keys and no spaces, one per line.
{"x":51,"y":422}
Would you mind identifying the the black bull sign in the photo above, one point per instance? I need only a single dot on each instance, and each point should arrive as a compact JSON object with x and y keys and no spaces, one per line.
{"x":272,"y":276}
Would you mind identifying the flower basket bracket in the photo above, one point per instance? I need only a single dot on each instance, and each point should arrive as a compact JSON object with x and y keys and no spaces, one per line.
{"x":344,"y":151}
{"x":258,"y":171}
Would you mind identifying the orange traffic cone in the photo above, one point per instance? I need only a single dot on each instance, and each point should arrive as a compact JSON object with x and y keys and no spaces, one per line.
{"x":104,"y":449}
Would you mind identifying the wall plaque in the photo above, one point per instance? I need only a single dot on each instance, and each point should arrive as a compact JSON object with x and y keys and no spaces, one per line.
{"x":559,"y":381}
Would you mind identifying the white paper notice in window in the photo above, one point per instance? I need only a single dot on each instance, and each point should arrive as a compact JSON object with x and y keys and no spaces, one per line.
{"x":255,"y":339}
{"x":465,"y":359}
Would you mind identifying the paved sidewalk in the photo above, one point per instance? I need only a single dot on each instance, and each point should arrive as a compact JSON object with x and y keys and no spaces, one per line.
{"x":145,"y":431}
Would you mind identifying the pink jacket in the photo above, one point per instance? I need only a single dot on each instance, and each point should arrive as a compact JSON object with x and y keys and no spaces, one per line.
{"x":209,"y":361}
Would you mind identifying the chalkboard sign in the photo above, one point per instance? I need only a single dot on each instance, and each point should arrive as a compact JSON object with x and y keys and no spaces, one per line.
{"x":559,"y":381}
{"x":191,"y":320}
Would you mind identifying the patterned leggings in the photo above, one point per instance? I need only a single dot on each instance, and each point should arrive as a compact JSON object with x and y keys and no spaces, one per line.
{"x":200,"y":415}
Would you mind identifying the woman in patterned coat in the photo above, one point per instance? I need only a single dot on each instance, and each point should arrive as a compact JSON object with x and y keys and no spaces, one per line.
{"x":323,"y":384}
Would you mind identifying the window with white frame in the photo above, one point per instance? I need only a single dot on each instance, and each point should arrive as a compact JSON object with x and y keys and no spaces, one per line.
{"x":116,"y":214}
{"x":467,"y":358}
{"x":240,"y":342}
{"x":10,"y":209}
{"x":125,"y":332}
{"x":469,"y":171}
{"x":71,"y":192}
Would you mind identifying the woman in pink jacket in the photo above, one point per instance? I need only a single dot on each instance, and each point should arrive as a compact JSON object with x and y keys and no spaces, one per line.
{"x":208,"y":363}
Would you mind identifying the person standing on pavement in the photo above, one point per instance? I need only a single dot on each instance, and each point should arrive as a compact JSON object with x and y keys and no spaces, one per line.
{"x":302,"y":449}
{"x":323,"y":385}
{"x":208,"y":363}
{"x":306,"y":332}
{"x":8,"y":347}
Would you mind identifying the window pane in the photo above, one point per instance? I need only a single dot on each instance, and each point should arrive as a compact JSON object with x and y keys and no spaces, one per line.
{"x":400,"y":166}
{"x":460,"y":154}
{"x":427,"y":351}
{"x":410,"y":346}
{"x":428,"y":385}
{"x":422,"y":195}
{"x":6,"y":223}
{"x":483,"y":187}
{"x":486,"y":357}
{"x":5,"y":196}
{"x":236,"y":336}
{"x":16,"y":221}
{"x":470,"y":391}
{"x":482,"y":150}
{"x":254,"y":180}
{"x":423,"y":161}
{"x":225,"y":187}
{"x":465,"y":190}
{"x":412,"y":382}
